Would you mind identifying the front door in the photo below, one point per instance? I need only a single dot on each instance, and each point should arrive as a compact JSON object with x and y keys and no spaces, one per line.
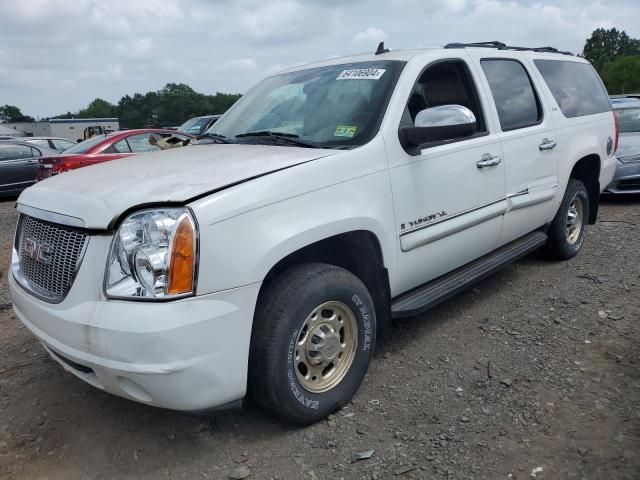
{"x":18,"y":167}
{"x":449,"y":197}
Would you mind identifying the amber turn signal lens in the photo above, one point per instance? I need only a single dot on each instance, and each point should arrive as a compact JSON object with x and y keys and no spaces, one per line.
{"x":182,"y":258}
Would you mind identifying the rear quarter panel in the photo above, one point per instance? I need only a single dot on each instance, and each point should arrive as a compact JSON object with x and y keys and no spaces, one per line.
{"x":576,"y":137}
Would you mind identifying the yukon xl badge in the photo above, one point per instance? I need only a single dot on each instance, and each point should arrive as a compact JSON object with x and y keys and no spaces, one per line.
{"x":40,"y":252}
{"x":420,"y":221}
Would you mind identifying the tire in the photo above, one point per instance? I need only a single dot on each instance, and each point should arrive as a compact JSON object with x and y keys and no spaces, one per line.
{"x":565,"y":242}
{"x":288,"y":358}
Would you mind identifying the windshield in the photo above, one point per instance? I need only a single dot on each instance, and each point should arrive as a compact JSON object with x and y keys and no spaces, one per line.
{"x":193,"y":126}
{"x":629,"y":119}
{"x":83,"y":147}
{"x":334,"y":106}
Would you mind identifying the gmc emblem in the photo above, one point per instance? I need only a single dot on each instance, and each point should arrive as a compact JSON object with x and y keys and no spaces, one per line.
{"x":40,"y":252}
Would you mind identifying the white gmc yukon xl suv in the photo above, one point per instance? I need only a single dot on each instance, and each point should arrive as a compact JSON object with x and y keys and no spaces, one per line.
{"x":330,"y":199}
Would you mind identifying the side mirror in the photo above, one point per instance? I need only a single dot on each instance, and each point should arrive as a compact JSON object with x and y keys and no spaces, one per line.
{"x":446,"y":122}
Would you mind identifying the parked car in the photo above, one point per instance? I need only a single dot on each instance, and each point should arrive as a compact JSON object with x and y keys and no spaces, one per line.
{"x":622,"y":101}
{"x":18,"y":165}
{"x":328,"y":200}
{"x":627,"y":176}
{"x":104,"y":148}
{"x":53,"y":143}
{"x":198,"y":125}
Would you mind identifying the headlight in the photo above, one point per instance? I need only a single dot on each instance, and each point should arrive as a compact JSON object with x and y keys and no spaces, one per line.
{"x":153,"y":256}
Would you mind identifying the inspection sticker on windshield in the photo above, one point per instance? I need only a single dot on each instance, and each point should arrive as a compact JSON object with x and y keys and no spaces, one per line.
{"x":361,"y":74}
{"x":347,"y":131}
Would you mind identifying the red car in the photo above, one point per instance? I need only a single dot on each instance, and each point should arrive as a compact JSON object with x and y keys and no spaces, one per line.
{"x":103,"y":148}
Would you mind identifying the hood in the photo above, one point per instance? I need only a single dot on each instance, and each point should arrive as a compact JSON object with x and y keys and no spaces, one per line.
{"x":628,"y":144}
{"x":100,"y":193}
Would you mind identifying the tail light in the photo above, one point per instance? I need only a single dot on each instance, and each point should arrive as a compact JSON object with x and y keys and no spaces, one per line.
{"x":45,"y":168}
{"x":50,"y":166}
{"x":617,"y":124}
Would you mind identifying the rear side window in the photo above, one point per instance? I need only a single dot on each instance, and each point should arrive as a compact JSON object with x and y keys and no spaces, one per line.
{"x":513,"y":93}
{"x":575,"y":86}
{"x":42,"y":143}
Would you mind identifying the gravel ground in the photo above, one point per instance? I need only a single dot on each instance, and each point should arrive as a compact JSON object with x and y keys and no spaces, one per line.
{"x":532,"y":373}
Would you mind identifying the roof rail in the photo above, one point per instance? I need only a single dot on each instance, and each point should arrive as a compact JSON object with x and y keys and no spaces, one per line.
{"x":504,"y":46}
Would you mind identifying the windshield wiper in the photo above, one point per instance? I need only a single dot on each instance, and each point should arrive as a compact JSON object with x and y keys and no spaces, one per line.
{"x":287,"y":137}
{"x":214,"y":136}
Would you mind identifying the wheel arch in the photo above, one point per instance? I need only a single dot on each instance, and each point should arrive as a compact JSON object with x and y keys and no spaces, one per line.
{"x":587,"y":170}
{"x":358,"y":251}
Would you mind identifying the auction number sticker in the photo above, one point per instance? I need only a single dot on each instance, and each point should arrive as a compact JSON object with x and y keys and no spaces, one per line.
{"x":361,"y":74}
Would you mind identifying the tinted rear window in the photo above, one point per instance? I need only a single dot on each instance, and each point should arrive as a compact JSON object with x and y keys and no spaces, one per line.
{"x":513,"y":93}
{"x":575,"y":86}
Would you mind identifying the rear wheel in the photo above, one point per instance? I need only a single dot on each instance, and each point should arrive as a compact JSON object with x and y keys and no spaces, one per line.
{"x":312,"y":341}
{"x":569,"y":227}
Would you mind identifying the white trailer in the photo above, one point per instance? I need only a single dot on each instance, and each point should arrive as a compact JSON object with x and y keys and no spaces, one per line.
{"x":72,"y":128}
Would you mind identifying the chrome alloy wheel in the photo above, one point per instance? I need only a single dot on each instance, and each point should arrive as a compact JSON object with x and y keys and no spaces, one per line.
{"x":574,"y":220}
{"x":326,"y":346}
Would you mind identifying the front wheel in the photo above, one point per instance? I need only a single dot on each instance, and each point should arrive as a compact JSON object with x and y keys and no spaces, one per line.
{"x":312,"y":342}
{"x":569,"y":227}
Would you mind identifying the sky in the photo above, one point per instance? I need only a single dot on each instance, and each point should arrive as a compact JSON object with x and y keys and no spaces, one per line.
{"x":58,"y":55}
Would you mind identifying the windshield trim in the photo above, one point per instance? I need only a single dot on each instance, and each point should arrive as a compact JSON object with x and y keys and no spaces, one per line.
{"x":340,"y":145}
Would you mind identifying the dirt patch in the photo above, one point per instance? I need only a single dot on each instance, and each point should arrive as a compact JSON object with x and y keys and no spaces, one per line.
{"x":533,"y":370}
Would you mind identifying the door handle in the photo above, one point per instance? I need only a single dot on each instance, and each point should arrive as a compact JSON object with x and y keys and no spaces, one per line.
{"x":488,"y":160}
{"x":31,"y":162}
{"x":547,"y":144}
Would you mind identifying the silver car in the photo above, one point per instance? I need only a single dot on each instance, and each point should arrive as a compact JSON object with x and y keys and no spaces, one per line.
{"x":627,"y":177}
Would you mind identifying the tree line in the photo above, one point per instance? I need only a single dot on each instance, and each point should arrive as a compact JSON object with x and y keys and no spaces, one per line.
{"x":170,"y":106}
{"x":616,"y":57}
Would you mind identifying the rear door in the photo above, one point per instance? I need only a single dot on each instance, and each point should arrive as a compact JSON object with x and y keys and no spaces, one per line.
{"x":18,"y":165}
{"x":528,"y":138}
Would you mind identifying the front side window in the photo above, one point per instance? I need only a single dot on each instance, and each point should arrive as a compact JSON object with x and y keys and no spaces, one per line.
{"x":513,"y":93}
{"x":575,"y":86}
{"x":445,"y":83}
{"x":329,"y":107}
{"x":629,"y":119}
{"x":140,"y":143}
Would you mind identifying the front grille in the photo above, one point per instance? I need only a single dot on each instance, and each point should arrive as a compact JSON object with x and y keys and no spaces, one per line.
{"x":49,"y":255}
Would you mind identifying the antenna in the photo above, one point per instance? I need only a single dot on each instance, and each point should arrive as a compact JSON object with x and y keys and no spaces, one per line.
{"x":381,"y":49}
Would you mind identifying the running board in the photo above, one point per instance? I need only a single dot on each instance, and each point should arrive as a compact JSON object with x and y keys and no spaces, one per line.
{"x":430,"y":294}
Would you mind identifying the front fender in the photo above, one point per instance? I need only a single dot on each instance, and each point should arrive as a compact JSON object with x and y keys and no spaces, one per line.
{"x":241,"y":249}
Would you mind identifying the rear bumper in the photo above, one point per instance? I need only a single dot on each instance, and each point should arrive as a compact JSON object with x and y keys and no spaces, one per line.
{"x":626,"y":178}
{"x":187,"y":355}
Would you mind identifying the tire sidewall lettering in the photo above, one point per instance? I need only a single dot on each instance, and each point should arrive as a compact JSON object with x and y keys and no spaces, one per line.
{"x":366,"y":322}
{"x":292,"y":381}
{"x":366,"y":337}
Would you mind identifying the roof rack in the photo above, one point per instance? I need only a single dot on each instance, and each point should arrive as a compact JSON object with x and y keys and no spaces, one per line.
{"x":504,"y":46}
